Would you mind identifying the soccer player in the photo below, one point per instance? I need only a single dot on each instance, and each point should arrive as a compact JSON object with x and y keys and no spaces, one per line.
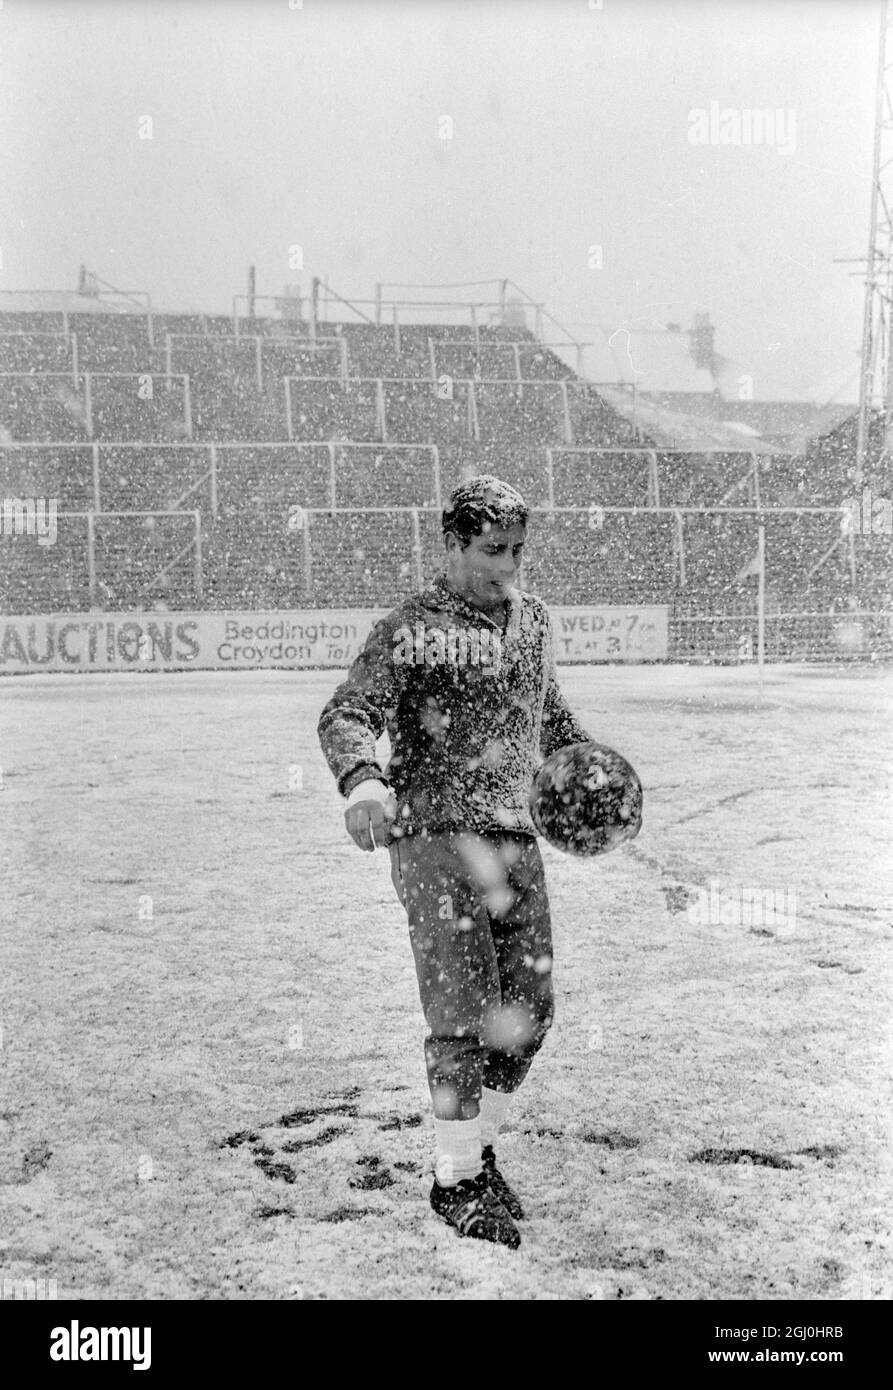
{"x":462,"y":676}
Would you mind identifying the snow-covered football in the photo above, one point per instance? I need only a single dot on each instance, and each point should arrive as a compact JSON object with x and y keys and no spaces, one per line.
{"x":586,"y":799}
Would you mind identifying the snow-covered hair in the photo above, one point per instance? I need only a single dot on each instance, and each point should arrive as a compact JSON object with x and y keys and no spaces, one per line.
{"x":481,"y":502}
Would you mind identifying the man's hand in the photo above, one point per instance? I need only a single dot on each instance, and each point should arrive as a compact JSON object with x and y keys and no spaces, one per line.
{"x":371,"y":811}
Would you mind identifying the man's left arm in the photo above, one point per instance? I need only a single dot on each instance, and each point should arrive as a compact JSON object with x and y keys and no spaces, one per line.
{"x":560,"y":725}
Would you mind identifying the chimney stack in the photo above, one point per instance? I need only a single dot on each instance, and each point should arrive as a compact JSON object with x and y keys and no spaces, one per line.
{"x":702,"y":341}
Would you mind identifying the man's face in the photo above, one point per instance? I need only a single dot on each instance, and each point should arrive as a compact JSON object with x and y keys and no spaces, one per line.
{"x":488,"y":566}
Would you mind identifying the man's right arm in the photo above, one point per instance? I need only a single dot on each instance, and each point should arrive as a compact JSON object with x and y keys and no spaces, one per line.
{"x":357,"y":714}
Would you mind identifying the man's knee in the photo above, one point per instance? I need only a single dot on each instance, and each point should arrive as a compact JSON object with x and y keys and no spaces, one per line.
{"x":518,"y":1026}
{"x":454,"y":1067}
{"x":452,"y":1053}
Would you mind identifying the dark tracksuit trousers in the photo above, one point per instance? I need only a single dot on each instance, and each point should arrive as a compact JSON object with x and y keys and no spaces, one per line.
{"x":481,"y":935}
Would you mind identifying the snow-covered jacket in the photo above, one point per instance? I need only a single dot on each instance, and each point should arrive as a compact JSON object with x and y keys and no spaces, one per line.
{"x":470,"y":711}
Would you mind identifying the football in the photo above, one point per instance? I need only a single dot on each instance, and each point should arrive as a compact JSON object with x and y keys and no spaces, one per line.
{"x":586,"y":799}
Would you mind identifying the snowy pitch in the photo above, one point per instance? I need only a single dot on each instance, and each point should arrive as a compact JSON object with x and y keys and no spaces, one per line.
{"x":213,"y":1081}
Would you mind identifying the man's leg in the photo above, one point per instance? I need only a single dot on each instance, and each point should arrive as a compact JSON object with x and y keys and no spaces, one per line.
{"x":522,"y":938}
{"x":458,"y":978}
{"x":447,"y":897}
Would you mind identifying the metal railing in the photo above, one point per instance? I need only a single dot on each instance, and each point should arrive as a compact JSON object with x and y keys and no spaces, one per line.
{"x":594,"y":517}
{"x":211,"y":475}
{"x":731,"y":638}
{"x":88,"y":378}
{"x":62,"y":313}
{"x":252,"y":300}
{"x":91,"y":285}
{"x":69,"y":339}
{"x":442,"y":389}
{"x":696,"y":634}
{"x":336,"y":343}
{"x":442,"y":346}
{"x":291,"y":449}
{"x":507,"y":299}
{"x":652,"y":455}
{"x":507,"y":304}
{"x":136,"y":302}
{"x":194,"y":546}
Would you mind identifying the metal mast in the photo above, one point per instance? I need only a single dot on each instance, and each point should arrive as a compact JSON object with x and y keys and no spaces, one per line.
{"x":876,"y":375}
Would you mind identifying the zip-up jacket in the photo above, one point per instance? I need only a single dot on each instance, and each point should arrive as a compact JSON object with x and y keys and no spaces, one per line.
{"x":470,"y":711}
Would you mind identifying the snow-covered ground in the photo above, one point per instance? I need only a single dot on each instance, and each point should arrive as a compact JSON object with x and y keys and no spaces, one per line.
{"x":213,"y":1081}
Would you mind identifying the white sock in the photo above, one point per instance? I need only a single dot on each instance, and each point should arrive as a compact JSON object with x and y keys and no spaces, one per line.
{"x":458,"y":1150}
{"x":493,"y":1107}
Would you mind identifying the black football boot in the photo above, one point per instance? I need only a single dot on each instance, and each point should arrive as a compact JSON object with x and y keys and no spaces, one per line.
{"x":498,"y":1185}
{"x":475,"y":1211}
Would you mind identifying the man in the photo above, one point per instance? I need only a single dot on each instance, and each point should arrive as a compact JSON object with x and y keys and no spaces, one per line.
{"x":462,"y":676}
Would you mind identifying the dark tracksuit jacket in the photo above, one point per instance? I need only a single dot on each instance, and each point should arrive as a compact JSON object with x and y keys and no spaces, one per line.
{"x":466,"y":739}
